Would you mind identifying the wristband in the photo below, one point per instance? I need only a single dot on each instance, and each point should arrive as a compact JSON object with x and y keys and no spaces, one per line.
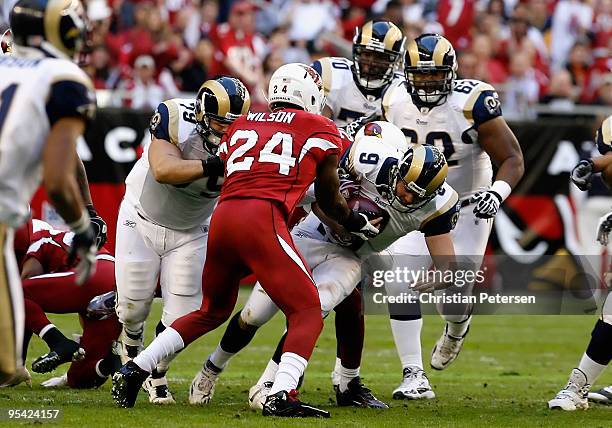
{"x":81,"y":225}
{"x":91,"y":210}
{"x":502,"y":189}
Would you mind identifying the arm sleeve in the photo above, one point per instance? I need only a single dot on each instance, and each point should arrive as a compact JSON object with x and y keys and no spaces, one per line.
{"x":69,"y":98}
{"x":160,"y":121}
{"x":442,"y":223}
{"x":486,"y":107}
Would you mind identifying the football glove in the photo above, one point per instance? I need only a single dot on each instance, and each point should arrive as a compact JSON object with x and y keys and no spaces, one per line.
{"x":359,"y":224}
{"x":487,"y":203}
{"x":98,"y":224}
{"x":603,"y":229}
{"x":56,"y":382}
{"x":84,"y":248}
{"x":582,"y":174}
{"x":213,"y":167}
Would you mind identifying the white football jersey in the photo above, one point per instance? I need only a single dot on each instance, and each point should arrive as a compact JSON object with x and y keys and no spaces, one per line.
{"x":344,"y":98}
{"x":369,"y":162}
{"x":452,"y":126}
{"x":179,"y":207}
{"x":34,"y":94}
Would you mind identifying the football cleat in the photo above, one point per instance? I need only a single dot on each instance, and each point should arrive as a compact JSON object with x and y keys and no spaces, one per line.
{"x":286,"y":404}
{"x":574,"y":395}
{"x":158,"y":390}
{"x":258,"y":394}
{"x":603,"y":396}
{"x":415,"y":386}
{"x":446,"y":349}
{"x":203,"y":384}
{"x":21,"y":375}
{"x":127,"y":381}
{"x":65,"y":352}
{"x":129,"y":346}
{"x":357,"y":395}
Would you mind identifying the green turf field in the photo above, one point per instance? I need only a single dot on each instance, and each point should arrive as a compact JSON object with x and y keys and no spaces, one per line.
{"x":508,"y":369}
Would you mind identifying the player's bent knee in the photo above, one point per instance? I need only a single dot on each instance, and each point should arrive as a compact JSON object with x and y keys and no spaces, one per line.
{"x":330,"y":295}
{"x":132,"y":312}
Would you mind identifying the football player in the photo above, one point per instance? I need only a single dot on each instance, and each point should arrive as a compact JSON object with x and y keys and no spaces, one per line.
{"x":408,"y":184}
{"x":162,"y":225}
{"x":463,"y":119}
{"x":354,"y":88}
{"x":266,"y":183}
{"x":49,"y":286}
{"x":45,"y":102}
{"x":599,"y":351}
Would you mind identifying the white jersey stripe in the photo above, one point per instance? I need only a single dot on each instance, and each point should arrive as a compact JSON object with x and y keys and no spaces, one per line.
{"x":320,"y":143}
{"x":294,"y":256}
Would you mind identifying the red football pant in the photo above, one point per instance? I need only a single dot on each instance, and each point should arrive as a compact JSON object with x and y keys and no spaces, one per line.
{"x":59,"y":294}
{"x":251,"y":236}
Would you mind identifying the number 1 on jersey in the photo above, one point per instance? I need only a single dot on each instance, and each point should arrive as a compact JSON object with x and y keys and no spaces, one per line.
{"x":5,"y":102}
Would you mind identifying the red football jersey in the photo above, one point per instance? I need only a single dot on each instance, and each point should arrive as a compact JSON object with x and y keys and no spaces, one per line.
{"x":50,"y":248}
{"x":274,"y":156}
{"x":25,"y":235}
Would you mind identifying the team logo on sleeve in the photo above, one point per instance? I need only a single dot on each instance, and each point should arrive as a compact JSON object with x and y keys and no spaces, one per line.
{"x":373,"y":130}
{"x":492,"y":104}
{"x":155,"y":120}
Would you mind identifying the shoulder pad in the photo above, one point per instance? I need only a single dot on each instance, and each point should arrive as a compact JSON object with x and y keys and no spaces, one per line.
{"x":445,"y":217}
{"x":603,"y":137}
{"x":168,"y":116}
{"x":71,"y":93}
{"x":391,"y":94}
{"x":478,"y":100}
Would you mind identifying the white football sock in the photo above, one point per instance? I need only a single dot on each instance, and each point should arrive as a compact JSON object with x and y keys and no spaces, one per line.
{"x":458,"y":329}
{"x":167,"y":343}
{"x":290,"y":369}
{"x":347,"y":375}
{"x":164,"y":365}
{"x":590,"y":368}
{"x":220,"y":358}
{"x":407,"y":337}
{"x":269,"y":373}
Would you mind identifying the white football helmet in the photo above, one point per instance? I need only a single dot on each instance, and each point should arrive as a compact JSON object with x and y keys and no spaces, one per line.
{"x":388,"y":132}
{"x":297,"y":84}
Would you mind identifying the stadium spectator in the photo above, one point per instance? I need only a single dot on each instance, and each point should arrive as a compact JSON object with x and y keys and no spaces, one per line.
{"x":457,"y":19}
{"x":578,"y":64}
{"x":570,"y":21}
{"x":238,"y":49}
{"x":562,"y":93}
{"x":196,"y":72}
{"x":604,"y":92}
{"x":521,"y":91}
{"x":143,"y":92}
{"x":103,"y":75}
{"x":491,"y":69}
{"x":307,"y":19}
{"x":201,"y":23}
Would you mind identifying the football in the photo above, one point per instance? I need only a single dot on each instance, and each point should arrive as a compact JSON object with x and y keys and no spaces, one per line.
{"x":368,"y":207}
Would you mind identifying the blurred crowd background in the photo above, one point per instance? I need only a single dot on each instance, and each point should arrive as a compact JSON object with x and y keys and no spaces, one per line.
{"x":557,"y":53}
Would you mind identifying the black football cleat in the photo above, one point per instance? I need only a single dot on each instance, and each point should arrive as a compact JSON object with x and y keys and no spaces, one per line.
{"x":357,"y":395}
{"x":286,"y":404}
{"x":65,"y":352}
{"x":127,"y":381}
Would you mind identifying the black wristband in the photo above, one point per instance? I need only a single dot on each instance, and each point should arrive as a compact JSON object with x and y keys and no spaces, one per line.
{"x":213,"y":166}
{"x":354,"y":222}
{"x":497,"y":195}
{"x":91,"y":210}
